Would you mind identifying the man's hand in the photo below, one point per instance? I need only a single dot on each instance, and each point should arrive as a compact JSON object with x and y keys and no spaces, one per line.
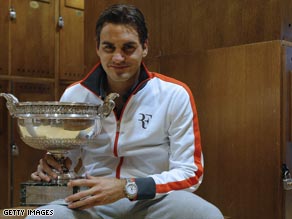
{"x":45,"y":168}
{"x":100,"y":191}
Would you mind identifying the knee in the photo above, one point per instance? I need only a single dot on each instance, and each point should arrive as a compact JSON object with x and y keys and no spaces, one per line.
{"x":212,"y":212}
{"x":193,"y":206}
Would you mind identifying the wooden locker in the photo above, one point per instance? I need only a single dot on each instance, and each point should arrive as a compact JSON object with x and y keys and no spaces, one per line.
{"x":4,"y":33}
{"x":32,"y":36}
{"x":241,"y":121}
{"x":189,"y":25}
{"x":36,"y":53}
{"x":241,"y":100}
{"x":71,"y":45}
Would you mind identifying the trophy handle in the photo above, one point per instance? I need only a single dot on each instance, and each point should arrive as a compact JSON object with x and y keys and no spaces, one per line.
{"x":11,"y":103}
{"x":108,"y":105}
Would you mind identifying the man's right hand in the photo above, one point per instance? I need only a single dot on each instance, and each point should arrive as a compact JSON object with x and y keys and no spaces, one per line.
{"x":45,"y":168}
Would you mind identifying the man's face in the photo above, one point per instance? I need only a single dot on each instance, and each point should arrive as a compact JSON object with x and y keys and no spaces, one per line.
{"x":120,"y":52}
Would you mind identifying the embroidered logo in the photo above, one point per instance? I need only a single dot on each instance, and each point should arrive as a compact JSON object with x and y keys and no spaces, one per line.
{"x":145,"y":119}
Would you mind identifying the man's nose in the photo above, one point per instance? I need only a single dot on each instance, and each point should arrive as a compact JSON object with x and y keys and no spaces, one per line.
{"x":118,"y":57}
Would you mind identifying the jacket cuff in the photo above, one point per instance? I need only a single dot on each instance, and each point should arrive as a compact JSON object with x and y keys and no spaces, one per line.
{"x":146,"y":188}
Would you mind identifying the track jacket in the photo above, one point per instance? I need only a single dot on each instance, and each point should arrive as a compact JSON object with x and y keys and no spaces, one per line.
{"x":155,"y":140}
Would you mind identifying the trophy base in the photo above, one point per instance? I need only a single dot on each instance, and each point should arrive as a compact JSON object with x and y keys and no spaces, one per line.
{"x":42,"y":193}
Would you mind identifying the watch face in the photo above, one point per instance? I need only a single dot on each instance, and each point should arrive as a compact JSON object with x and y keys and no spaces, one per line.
{"x":131,"y":189}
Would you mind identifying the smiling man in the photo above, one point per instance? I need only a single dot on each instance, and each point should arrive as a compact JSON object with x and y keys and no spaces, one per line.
{"x":147,"y":161}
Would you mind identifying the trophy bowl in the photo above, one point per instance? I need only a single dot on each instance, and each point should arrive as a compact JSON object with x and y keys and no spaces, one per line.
{"x":58,"y":127}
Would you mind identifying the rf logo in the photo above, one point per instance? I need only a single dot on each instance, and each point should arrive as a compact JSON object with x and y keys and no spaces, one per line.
{"x":145,"y":119}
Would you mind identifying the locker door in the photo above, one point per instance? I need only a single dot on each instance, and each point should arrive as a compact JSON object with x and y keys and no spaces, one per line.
{"x":71,"y":60}
{"x":32,"y":38}
{"x":4,"y":33}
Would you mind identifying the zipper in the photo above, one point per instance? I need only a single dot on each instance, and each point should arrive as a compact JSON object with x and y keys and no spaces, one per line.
{"x":121,"y":115}
{"x":117,"y":138}
{"x":118,"y":170}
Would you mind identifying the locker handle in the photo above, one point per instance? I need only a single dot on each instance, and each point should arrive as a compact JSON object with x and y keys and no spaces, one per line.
{"x":60,"y":22}
{"x":14,"y":150}
{"x":12,"y":13}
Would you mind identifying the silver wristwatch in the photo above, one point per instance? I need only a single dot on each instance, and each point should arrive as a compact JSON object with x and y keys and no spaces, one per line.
{"x":131,"y":189}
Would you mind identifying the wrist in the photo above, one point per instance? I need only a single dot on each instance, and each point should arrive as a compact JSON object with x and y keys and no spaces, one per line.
{"x":123,"y":184}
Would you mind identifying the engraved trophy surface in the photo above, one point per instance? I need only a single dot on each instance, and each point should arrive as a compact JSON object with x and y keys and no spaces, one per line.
{"x":57,"y":127}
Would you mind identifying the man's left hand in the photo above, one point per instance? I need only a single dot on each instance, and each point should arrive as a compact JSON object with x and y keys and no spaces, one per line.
{"x":101,"y":191}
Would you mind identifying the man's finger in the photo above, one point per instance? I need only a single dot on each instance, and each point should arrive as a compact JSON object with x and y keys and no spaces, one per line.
{"x":80,"y":196}
{"x":35,"y":176}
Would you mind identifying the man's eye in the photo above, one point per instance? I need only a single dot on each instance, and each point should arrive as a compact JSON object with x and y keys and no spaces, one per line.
{"x":129,"y":49}
{"x":108,"y":48}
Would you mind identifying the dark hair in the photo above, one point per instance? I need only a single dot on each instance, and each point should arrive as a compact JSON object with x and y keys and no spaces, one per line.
{"x":123,"y":14}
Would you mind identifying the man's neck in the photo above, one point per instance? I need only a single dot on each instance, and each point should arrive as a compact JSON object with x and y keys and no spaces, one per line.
{"x":120,"y":88}
{"x":123,"y":87}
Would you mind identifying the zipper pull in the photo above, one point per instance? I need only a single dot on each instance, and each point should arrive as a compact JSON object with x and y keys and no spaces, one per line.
{"x":118,"y":125}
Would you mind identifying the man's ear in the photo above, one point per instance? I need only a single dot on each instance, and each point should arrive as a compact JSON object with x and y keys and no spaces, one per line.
{"x":145,"y":49}
{"x":96,"y":48}
{"x":145,"y":52}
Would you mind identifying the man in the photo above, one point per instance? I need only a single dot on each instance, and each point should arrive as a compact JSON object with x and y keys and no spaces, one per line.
{"x":147,"y":160}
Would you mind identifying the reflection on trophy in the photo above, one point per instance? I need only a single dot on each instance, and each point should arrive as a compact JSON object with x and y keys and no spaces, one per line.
{"x":56,"y":127}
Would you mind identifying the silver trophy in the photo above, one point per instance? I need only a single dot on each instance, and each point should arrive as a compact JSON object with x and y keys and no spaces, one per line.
{"x":56,"y":127}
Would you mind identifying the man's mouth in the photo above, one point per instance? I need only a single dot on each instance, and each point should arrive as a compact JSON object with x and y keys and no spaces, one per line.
{"x":119,"y":66}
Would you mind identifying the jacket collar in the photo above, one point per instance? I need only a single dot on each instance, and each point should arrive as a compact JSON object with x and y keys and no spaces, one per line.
{"x":97,"y":79}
